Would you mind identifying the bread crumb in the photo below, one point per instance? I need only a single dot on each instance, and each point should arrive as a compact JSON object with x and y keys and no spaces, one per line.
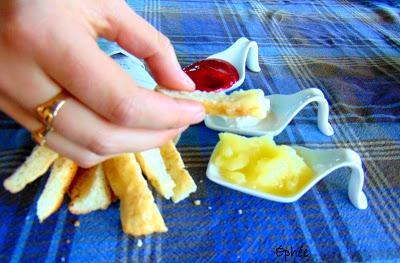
{"x":68,"y":241}
{"x":201,"y":181}
{"x":197,"y":202}
{"x":139,"y":243}
{"x":240,"y":211}
{"x":77,"y":223}
{"x":209,"y":208}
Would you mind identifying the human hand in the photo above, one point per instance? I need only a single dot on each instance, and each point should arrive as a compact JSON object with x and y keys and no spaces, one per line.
{"x":47,"y":46}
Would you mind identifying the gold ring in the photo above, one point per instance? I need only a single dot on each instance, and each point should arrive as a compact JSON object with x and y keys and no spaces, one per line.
{"x":39,"y":136}
{"x":48,"y":111}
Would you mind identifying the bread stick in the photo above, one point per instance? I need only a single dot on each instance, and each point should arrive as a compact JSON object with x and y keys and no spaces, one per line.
{"x":184,"y":184}
{"x":139,"y":213}
{"x":34,"y":166}
{"x":61,"y":175}
{"x":237,"y":104}
{"x":154,"y":169}
{"x":89,"y":191}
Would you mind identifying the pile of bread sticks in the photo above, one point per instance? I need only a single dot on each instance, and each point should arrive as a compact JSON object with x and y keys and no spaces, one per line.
{"x":117,"y":178}
{"x":121,"y":177}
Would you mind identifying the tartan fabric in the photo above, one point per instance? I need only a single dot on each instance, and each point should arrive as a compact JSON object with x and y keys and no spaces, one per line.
{"x":348,"y":49}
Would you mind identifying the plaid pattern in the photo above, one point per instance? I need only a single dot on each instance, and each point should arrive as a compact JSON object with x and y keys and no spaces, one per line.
{"x":348,"y":49}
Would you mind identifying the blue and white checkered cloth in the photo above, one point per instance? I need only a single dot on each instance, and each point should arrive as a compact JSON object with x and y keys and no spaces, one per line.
{"x":348,"y":49}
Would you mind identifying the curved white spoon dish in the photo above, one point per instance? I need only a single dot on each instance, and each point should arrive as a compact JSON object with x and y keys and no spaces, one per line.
{"x":283,"y":108}
{"x":242,"y":53}
{"x":322,"y":162}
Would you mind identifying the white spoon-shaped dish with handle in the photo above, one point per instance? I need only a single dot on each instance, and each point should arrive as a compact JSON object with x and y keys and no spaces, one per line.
{"x":242,"y":53}
{"x":322,"y":162}
{"x":283,"y":108}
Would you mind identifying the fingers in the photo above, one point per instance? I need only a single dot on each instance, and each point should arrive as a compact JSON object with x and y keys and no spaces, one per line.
{"x":83,"y":157}
{"x":55,"y":141}
{"x":98,"y":82}
{"x":106,"y":108}
{"x":83,"y":127}
{"x":91,"y":138}
{"x":104,"y":138}
{"x":18,"y":114}
{"x":30,"y":88}
{"x":141,"y":39}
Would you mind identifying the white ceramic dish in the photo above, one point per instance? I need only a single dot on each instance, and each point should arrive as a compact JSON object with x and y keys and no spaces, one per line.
{"x":283,"y":108}
{"x":242,"y":53}
{"x":322,"y":162}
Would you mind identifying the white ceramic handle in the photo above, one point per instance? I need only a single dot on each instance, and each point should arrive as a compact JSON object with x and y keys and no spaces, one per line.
{"x":349,"y":158}
{"x":252,"y":61}
{"x":323,"y":111}
{"x":301,"y":99}
{"x":356,"y":195}
{"x":324,"y":162}
{"x":242,"y":53}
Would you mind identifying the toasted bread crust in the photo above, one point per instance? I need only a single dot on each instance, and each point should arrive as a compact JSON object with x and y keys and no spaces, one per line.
{"x":61,"y":175}
{"x":154,"y":169}
{"x":34,"y":166}
{"x":237,"y":104}
{"x":184,"y":183}
{"x":89,"y":191}
{"x":139,"y":213}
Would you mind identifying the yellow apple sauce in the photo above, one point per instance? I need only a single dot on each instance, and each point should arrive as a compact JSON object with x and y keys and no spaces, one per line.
{"x":260,"y":164}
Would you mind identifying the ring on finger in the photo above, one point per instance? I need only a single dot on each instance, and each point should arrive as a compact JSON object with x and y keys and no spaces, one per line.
{"x":39,"y":136}
{"x":47,"y":111}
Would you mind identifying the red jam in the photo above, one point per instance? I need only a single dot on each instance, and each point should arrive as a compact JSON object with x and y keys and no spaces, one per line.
{"x":212,"y":74}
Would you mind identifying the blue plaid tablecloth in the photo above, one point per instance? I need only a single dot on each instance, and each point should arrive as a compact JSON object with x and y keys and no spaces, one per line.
{"x":348,"y":49}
